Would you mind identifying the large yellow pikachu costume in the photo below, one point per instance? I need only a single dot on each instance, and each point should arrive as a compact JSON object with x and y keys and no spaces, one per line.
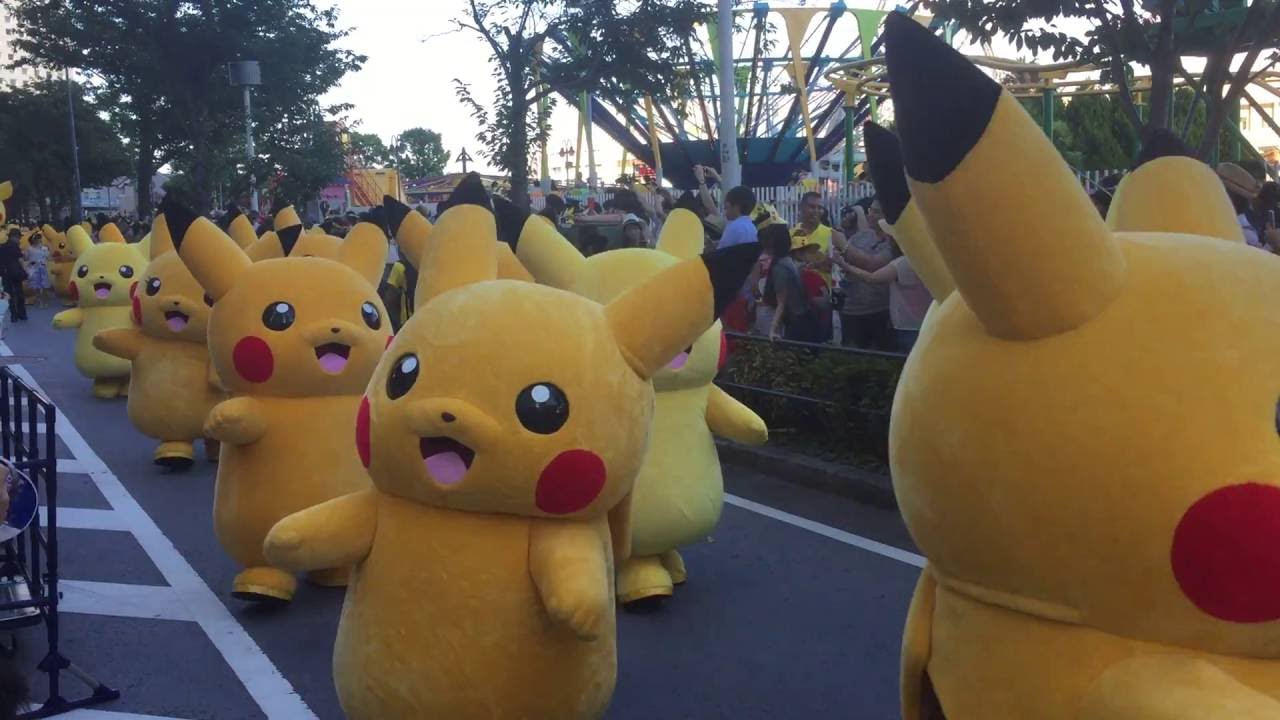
{"x":1083,"y":442}
{"x":62,"y":262}
{"x":680,"y":491}
{"x":174,"y":388}
{"x":102,"y":285}
{"x":291,"y":241}
{"x":505,"y":425}
{"x":295,"y":341}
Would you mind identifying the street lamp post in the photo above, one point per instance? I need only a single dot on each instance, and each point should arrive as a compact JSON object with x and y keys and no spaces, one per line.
{"x":247,"y":74}
{"x":76,"y":210}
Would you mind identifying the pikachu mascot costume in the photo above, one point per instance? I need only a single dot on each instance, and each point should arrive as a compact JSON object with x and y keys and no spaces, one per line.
{"x":62,"y":263}
{"x":503,"y":429}
{"x":102,"y":285}
{"x":680,"y":491}
{"x":294,"y":340}
{"x":289,"y":239}
{"x":6,"y":192}
{"x":174,"y":387}
{"x":1083,"y":442}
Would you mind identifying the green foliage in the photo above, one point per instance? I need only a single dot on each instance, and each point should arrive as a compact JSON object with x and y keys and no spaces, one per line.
{"x":369,"y":149}
{"x":851,"y":421}
{"x":1101,"y":135}
{"x":621,"y":51}
{"x":35,"y":144}
{"x":418,"y":153}
{"x":302,"y":155}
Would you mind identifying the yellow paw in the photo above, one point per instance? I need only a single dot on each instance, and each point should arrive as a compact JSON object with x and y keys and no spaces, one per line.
{"x":235,"y":422}
{"x":641,"y":578}
{"x":586,"y":613}
{"x":264,"y":584}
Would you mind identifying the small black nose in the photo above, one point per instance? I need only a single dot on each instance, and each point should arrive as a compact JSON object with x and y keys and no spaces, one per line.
{"x":335,"y":331}
{"x":447,"y":417}
{"x":175,"y":303}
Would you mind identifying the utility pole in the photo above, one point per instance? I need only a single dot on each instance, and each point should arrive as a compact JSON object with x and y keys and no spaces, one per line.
{"x":77,"y":212}
{"x":730,"y":167}
{"x":247,"y":74}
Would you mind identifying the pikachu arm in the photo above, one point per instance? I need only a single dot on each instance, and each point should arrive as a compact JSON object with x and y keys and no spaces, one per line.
{"x":68,"y":319}
{"x":334,"y":534}
{"x":730,"y":419}
{"x":238,"y":421}
{"x":569,"y":564}
{"x":122,"y":342}
{"x":1172,"y":687}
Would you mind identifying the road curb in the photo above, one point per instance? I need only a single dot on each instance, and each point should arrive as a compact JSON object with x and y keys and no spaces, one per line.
{"x":860,"y":485}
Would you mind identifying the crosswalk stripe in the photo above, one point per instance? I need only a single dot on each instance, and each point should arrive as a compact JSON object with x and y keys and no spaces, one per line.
{"x":152,"y":602}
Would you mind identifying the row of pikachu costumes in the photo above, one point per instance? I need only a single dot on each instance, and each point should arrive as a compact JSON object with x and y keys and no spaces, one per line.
{"x":518,"y":446}
{"x":1084,"y":440}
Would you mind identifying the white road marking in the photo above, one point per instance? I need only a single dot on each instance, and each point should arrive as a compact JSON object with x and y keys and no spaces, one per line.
{"x":85,"y":519}
{"x":91,"y":714}
{"x":836,"y":534}
{"x":260,"y":677}
{"x":151,"y":602}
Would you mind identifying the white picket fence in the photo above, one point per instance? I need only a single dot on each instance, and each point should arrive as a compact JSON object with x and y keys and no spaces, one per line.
{"x":786,"y":199}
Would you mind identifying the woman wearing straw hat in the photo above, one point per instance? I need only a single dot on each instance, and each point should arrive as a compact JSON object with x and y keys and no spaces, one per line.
{"x":1242,"y":188}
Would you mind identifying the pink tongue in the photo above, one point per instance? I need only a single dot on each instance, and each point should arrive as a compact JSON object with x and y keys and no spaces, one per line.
{"x":679,"y":361}
{"x":102,"y":293}
{"x":176,"y":324}
{"x":447,"y":467}
{"x":332,"y":363}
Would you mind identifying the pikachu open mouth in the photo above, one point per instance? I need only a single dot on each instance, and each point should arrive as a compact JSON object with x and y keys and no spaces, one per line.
{"x":447,"y":460}
{"x":177,"y":321}
{"x":680,"y":360}
{"x":102,"y":290}
{"x":333,"y":357}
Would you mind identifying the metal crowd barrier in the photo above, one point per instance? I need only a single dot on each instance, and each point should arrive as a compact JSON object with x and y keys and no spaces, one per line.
{"x":29,"y":562}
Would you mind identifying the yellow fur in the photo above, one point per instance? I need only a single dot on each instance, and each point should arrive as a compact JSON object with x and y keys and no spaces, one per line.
{"x":680,"y":491}
{"x":1176,"y":195}
{"x":478,"y":596}
{"x":62,"y":261}
{"x":286,"y":432}
{"x":1054,"y":433}
{"x":174,"y":388}
{"x":112,"y":269}
{"x":6,"y":192}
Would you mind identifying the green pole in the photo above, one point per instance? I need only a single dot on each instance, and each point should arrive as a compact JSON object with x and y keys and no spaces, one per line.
{"x":1048,"y":98}
{"x":848,"y":145}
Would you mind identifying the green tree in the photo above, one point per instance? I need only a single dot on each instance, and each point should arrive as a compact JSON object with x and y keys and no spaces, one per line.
{"x":539,"y":48}
{"x":303,"y":155}
{"x":160,"y":66}
{"x":1100,"y":133}
{"x":369,"y":149}
{"x":418,"y":153}
{"x":1157,"y":34}
{"x":35,"y":145}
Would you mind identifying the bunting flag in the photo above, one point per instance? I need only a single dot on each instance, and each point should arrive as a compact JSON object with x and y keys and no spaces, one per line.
{"x":868,"y":26}
{"x":797,"y":23}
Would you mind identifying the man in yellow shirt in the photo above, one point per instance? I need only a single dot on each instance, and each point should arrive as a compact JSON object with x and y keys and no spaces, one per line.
{"x":818,"y":237}
{"x":395,"y":295}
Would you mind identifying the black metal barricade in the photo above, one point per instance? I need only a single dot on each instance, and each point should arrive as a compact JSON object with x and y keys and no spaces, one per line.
{"x":29,"y":562}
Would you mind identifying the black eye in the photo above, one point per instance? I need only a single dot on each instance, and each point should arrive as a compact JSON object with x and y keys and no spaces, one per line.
{"x":153,"y":286}
{"x":208,"y":300}
{"x":371,"y":316}
{"x":403,"y":376}
{"x":82,"y":271}
{"x":542,"y":408}
{"x":278,"y":316}
{"x":126,"y":271}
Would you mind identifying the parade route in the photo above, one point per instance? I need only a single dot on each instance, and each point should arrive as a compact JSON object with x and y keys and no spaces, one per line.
{"x":793,"y":609}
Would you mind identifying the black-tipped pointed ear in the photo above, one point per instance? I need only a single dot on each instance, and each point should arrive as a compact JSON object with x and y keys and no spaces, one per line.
{"x":177,"y":218}
{"x":396,"y":212}
{"x":289,"y":238}
{"x":377,"y":216}
{"x":1162,"y":143}
{"x":939,"y":122}
{"x":728,"y":269}
{"x":279,"y":204}
{"x":233,"y":212}
{"x":471,"y":192}
{"x":884,"y":161}
{"x":510,"y":218}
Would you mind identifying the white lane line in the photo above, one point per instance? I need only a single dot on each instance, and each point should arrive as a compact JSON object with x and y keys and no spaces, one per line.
{"x":85,"y":519}
{"x":70,"y":466}
{"x":836,"y":534}
{"x":90,"y":714}
{"x":260,"y":677}
{"x":150,"y":602}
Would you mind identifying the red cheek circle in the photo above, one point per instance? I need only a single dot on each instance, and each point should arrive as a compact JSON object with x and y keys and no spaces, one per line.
{"x":74,"y":291}
{"x":1224,"y":553}
{"x":724,"y":351}
{"x":253,"y":359}
{"x":362,"y":431}
{"x":570,"y":482}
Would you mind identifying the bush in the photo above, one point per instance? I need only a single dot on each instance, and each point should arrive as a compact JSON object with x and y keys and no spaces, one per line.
{"x":831,"y":402}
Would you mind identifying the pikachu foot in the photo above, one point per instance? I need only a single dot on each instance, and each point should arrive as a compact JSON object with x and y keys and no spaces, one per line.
{"x":674,"y":564}
{"x":333,"y":577}
{"x":175,"y":455}
{"x":264,"y":585}
{"x":211,"y":449}
{"x":106,"y":388}
{"x":643,"y":582}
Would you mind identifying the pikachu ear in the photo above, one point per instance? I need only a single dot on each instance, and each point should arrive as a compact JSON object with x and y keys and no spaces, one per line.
{"x":288,"y":238}
{"x":210,"y":254}
{"x":264,"y":248}
{"x":6,"y":190}
{"x":285,"y":216}
{"x":365,"y":251}
{"x":111,"y":234}
{"x":236,"y":224}
{"x":547,"y":255}
{"x":509,"y":266}
{"x":1023,"y":241}
{"x":410,"y":228}
{"x":1171,"y":191}
{"x":692,"y":294}
{"x":78,"y":239}
{"x":463,"y":247}
{"x":682,"y":235}
{"x":902,"y":216}
{"x":160,"y":241}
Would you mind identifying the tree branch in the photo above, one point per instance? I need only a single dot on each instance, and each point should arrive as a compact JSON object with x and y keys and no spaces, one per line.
{"x":1118,"y":66}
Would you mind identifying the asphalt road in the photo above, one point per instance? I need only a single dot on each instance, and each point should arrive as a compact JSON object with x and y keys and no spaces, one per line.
{"x":793,"y":609}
